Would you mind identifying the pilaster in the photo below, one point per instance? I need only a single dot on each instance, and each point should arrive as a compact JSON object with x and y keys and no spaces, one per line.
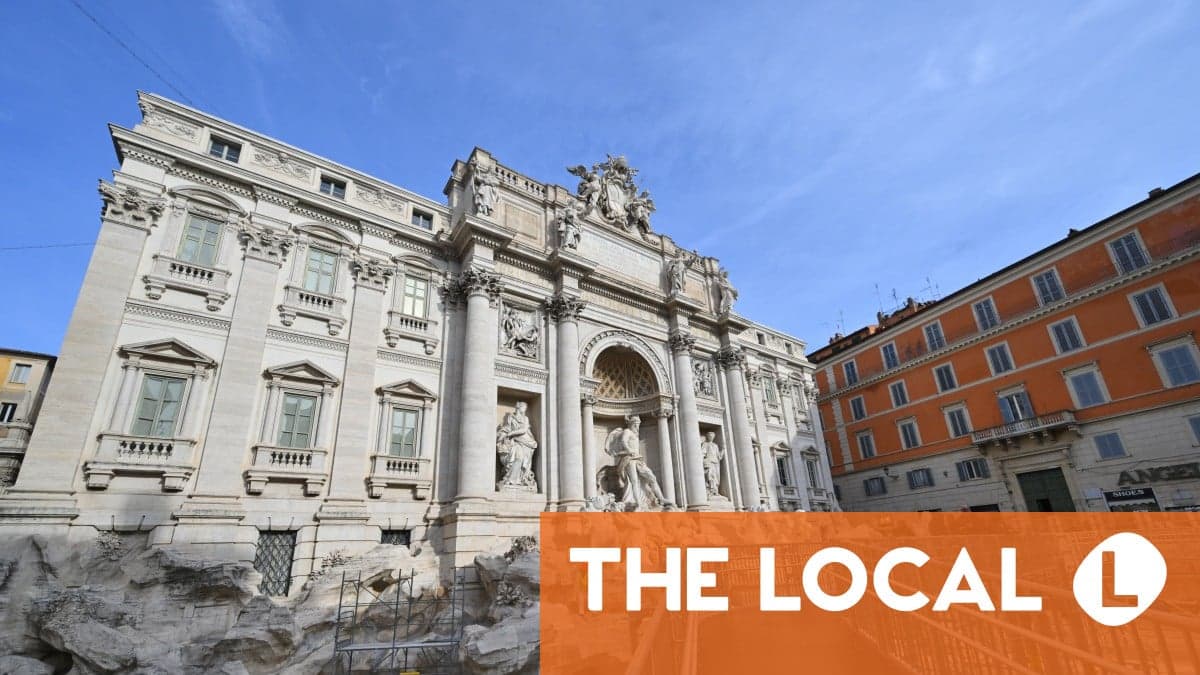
{"x":731,"y":361}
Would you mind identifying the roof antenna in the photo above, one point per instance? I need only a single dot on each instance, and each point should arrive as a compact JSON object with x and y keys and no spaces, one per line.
{"x":878,"y":300}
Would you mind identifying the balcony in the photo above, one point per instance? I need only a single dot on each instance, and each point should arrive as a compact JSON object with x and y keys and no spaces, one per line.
{"x":1040,"y":428}
{"x":789,"y":492}
{"x":393,"y":471}
{"x":291,"y":465}
{"x":818,"y":494}
{"x":402,"y":326}
{"x":299,"y":302}
{"x":14,"y":436}
{"x":179,"y":275}
{"x":170,"y":459}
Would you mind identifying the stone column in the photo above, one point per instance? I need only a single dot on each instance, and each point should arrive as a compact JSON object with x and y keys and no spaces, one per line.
{"x":564,"y":310}
{"x":477,"y":415}
{"x":689,"y":422}
{"x":732,"y":361}
{"x":590,"y":467}
{"x":667,"y":469}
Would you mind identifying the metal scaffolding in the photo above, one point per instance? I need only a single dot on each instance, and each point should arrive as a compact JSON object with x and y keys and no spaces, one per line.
{"x":382,"y":627}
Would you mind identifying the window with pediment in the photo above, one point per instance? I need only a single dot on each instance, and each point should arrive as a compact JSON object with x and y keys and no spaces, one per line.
{"x":623,"y":375}
{"x":194,"y":251}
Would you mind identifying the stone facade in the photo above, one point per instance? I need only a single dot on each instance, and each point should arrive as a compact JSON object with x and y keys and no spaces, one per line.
{"x":269,"y":342}
{"x":26,"y":376}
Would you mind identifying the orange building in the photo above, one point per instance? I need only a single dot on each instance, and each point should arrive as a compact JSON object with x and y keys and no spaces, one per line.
{"x":1069,"y":380}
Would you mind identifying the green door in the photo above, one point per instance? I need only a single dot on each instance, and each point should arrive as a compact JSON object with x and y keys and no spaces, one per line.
{"x":1045,"y":490}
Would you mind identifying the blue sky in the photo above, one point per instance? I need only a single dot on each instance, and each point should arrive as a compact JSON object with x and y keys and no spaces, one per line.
{"x":817,"y":149}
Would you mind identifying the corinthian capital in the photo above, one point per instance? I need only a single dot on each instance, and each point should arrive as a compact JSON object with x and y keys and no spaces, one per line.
{"x":562,"y":307}
{"x":371,"y":272}
{"x":130,"y":206}
{"x":264,"y":243}
{"x":730,"y":357}
{"x":681,"y":342}
{"x":473,"y":281}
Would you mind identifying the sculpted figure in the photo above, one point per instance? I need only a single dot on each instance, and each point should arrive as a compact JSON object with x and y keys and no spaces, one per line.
{"x":515,"y":445}
{"x":589,"y":185}
{"x":702,"y":377}
{"x":637,"y":488}
{"x":568,"y":226}
{"x":520,"y":334}
{"x":639,"y":211}
{"x":713,"y":454}
{"x":677,"y":272}
{"x":728,"y":294}
{"x":487,"y":192}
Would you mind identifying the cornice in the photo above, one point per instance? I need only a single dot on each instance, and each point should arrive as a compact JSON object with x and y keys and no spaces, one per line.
{"x":307,"y":340}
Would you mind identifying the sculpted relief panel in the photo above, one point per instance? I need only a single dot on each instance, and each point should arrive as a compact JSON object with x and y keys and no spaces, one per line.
{"x":520,"y":332}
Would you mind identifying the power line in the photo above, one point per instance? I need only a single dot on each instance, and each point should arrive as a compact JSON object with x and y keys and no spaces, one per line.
{"x":138,"y":40}
{"x":24,"y":248}
{"x":131,"y":52}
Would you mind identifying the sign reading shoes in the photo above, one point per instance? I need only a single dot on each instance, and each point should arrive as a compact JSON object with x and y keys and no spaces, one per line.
{"x":959,"y":592}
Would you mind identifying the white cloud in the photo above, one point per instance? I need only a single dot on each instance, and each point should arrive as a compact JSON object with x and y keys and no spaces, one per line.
{"x":257,"y":26}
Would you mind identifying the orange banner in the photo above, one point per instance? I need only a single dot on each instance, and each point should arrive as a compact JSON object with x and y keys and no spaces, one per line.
{"x":870,"y":593}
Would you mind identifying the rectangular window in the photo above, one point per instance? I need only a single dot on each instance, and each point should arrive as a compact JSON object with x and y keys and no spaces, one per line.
{"x":945,"y":377}
{"x":899,"y":393}
{"x":1049,"y":288}
{"x":1177,"y":364}
{"x":158,"y":406}
{"x":769,"y":390}
{"x":920,"y":478}
{"x":422,"y":220}
{"x":415,"y":300}
{"x":866,"y":445}
{"x":1015,"y":407}
{"x":1066,"y":336}
{"x":890,"y":358}
{"x":973,"y":469}
{"x":934,"y":337}
{"x":858,"y":408}
{"x":333,"y":187}
{"x":1152,"y":306}
{"x":875,"y":486}
{"x":985,"y":314}
{"x":319,"y":271}
{"x":781,"y":466}
{"x":1128,"y":253}
{"x":200,"y":239}
{"x":403,"y":441}
{"x":8,"y":411}
{"x":273,"y":560}
{"x":20,"y":373}
{"x":1086,"y":387}
{"x":810,"y":468}
{"x":223,"y":149}
{"x":909,"y":438}
{"x":1194,"y":422}
{"x":957,"y":423}
{"x":1110,"y":446}
{"x":395,"y":537}
{"x":296,"y":421}
{"x":999,"y":359}
{"x":850,"y":368}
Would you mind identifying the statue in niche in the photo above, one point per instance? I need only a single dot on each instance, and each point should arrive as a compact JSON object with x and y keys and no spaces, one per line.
{"x":727,"y":294}
{"x":520,"y":333}
{"x":713,"y":454}
{"x":631,"y":484}
{"x":487,"y":190}
{"x":515,"y":446}
{"x":702,"y":378}
{"x":677,"y":269}
{"x":568,"y":226}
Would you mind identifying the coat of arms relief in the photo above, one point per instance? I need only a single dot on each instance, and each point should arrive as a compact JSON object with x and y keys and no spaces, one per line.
{"x":608,"y":190}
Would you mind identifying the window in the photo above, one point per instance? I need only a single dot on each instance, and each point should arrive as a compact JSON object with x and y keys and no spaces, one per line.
{"x":158,"y":406}
{"x":850,"y":368}
{"x":999,"y":359}
{"x":810,"y":467}
{"x":769,"y":391}
{"x":858,"y":409}
{"x":414,"y":302}
{"x":1194,"y":422}
{"x":296,"y":422}
{"x":1110,"y":446}
{"x":973,"y":469}
{"x":945,"y":377}
{"x":404,"y":432}
{"x":1128,"y":253}
{"x":200,"y":240}
{"x":1015,"y":407}
{"x":934,"y":337}
{"x":8,"y":411}
{"x":223,"y":149}
{"x":1177,"y":363}
{"x":273,"y":560}
{"x":957,"y":422}
{"x":333,"y":187}
{"x":422,"y":220}
{"x":781,"y":466}
{"x":899,"y":393}
{"x":1086,"y":387}
{"x":761,"y":339}
{"x":319,"y":271}
{"x":920,"y":478}
{"x":20,"y":373}
{"x":890,"y":358}
{"x":985,"y":314}
{"x":1152,"y":306}
{"x":787,"y":346}
{"x":1049,"y":288}
{"x":909,"y":438}
{"x":1066,"y":336}
{"x":875,"y":486}
{"x":866,"y":445}
{"x":395,"y":537}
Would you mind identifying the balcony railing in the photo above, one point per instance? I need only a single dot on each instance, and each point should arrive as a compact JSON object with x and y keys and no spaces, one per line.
{"x":411,"y":327}
{"x":180,"y":275}
{"x":788,"y":492}
{"x":393,"y":471}
{"x":1035,"y":426}
{"x":171,"y":459}
{"x":293,"y":465}
{"x":299,"y":302}
{"x":15,"y":435}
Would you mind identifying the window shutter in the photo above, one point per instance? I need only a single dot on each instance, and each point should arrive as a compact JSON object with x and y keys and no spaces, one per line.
{"x":983,"y":468}
{"x":962,"y":470}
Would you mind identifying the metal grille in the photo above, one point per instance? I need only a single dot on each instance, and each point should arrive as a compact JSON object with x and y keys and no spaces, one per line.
{"x":273,"y":560}
{"x":396,"y":537}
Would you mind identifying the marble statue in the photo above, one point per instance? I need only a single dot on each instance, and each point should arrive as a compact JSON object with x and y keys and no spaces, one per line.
{"x":631,"y":482}
{"x":487,"y":190}
{"x":640,"y":208}
{"x":520,"y":333}
{"x":568,"y":226}
{"x":702,"y":378}
{"x":609,"y":189}
{"x":515,"y":446}
{"x":677,"y":269}
{"x":727,"y":293}
{"x":713,"y":454}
